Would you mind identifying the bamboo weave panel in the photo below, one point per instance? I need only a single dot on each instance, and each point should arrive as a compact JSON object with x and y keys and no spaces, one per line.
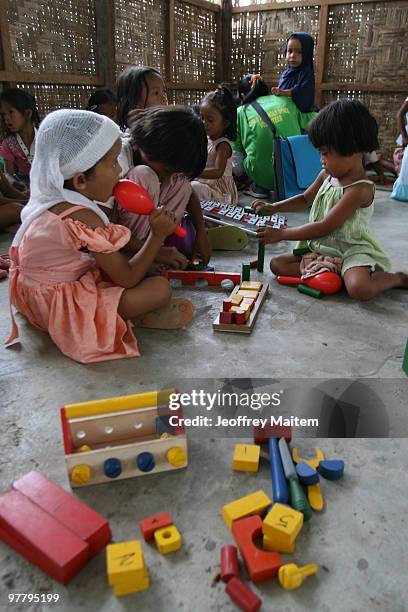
{"x":195,"y":33}
{"x":51,"y":97}
{"x":57,"y":36}
{"x":367,"y":43}
{"x":188,"y":97}
{"x":140,"y":33}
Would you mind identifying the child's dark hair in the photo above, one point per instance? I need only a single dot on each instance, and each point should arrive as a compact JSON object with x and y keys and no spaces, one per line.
{"x":129,"y":88}
{"x":223,"y":100}
{"x":251,"y":87}
{"x":100,"y":96}
{"x":173,"y":135}
{"x":346,"y":126}
{"x":22,"y":101}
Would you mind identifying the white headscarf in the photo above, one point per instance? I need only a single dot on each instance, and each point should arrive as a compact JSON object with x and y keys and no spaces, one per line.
{"x":68,"y":141}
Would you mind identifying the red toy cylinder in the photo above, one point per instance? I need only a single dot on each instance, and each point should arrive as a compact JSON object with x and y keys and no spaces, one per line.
{"x":229,"y":562}
{"x":326,"y":282}
{"x":243,"y":596}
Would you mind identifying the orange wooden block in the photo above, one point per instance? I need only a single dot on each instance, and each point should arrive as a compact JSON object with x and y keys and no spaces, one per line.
{"x":151,"y":524}
{"x":227,"y":317}
{"x":260,"y":564}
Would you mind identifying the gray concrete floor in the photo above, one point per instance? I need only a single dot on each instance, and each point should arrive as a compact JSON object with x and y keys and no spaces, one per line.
{"x":359,"y":541}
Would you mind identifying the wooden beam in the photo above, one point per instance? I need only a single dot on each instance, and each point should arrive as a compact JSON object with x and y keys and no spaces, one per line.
{"x":170,"y":43}
{"x":203,"y":4}
{"x":373,"y":87}
{"x":105,"y":37}
{"x":50,"y":78}
{"x":279,"y":6}
{"x":6,"y":50}
{"x":321,"y":51}
{"x":226,"y":40}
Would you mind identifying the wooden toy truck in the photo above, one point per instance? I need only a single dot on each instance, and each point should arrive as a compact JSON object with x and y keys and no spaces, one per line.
{"x":122,"y":437}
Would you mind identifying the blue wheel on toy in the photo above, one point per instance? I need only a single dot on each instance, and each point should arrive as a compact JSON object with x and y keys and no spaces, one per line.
{"x":112,"y":468}
{"x":145,"y":462}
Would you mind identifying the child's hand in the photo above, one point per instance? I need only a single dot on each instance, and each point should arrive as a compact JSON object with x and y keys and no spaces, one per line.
{"x":163,"y":222}
{"x":268,"y":235}
{"x":172,"y":258}
{"x":259,"y":205}
{"x":276,"y":91}
{"x":201,"y":247}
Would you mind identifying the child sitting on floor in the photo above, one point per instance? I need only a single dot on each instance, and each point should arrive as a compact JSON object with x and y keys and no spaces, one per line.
{"x":170,"y":146}
{"x":219,"y":115}
{"x":298,"y":80}
{"x":342,"y":205}
{"x":67,"y":274}
{"x":12,"y":201}
{"x":20,"y":121}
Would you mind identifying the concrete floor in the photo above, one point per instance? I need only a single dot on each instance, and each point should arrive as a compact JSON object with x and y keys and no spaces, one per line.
{"x":358,"y":541}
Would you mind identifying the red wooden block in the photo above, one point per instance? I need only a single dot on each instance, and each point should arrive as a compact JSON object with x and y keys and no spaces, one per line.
{"x":67,"y":509}
{"x":241,"y":317}
{"x":227,"y":317}
{"x":243,"y":596}
{"x":40,"y":538}
{"x":151,"y":524}
{"x":247,"y":302}
{"x":261,"y":434}
{"x":65,"y":433}
{"x":260,"y":564}
{"x":226,"y":305}
{"x":229,"y":562}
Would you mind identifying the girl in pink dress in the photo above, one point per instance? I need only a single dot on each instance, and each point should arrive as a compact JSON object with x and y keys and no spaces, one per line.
{"x":68,"y":276}
{"x":219,"y":114}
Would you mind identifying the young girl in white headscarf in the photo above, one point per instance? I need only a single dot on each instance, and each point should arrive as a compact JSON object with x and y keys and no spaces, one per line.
{"x":68,"y":276}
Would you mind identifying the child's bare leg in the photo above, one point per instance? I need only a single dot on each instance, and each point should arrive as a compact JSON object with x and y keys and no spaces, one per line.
{"x":286,"y":265}
{"x":9,"y":212}
{"x":362,"y":284}
{"x":150,"y":294}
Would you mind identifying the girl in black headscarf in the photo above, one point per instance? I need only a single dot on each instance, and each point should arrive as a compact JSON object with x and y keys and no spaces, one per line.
{"x":297,"y":80}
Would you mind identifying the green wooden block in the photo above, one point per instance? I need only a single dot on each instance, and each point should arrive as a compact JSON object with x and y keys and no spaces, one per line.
{"x":246,"y":272}
{"x":300,"y":252}
{"x":261,"y":257}
{"x":405,"y":361}
{"x":309,"y":291}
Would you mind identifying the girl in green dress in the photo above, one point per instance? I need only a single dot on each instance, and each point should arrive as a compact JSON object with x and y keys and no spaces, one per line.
{"x":342,"y":205}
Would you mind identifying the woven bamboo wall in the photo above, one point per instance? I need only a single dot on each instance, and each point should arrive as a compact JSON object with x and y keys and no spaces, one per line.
{"x":51,"y":97}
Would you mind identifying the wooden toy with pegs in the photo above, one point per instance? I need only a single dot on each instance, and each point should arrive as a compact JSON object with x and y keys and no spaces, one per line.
{"x":240,"y":311}
{"x":123,"y":436}
{"x":213,"y":279}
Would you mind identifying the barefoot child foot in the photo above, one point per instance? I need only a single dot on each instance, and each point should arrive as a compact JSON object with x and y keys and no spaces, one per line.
{"x":175,"y":315}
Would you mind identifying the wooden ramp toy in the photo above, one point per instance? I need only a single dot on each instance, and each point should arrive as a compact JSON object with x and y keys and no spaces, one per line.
{"x":122,"y":437}
{"x":240,"y":310}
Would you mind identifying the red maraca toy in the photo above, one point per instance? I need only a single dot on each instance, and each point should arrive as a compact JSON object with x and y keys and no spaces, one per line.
{"x":135,"y":198}
{"x":326,"y":282}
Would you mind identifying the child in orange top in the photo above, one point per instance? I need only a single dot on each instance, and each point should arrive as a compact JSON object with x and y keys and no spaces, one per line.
{"x":67,"y":274}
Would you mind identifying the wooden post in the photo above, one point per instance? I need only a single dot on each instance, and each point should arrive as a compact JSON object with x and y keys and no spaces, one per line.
{"x":105,"y":37}
{"x":170,"y":44}
{"x":6,"y":50}
{"x":226,"y":40}
{"x":321,"y":51}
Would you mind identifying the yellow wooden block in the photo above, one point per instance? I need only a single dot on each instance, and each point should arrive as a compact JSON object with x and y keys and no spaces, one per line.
{"x":236,"y":299}
{"x":246,"y":457}
{"x":272,"y":545}
{"x":125,"y":588}
{"x":168,"y":539}
{"x":81,"y":474}
{"x":252,"y":285}
{"x":125,"y":563}
{"x":255,"y":503}
{"x":246,"y":293}
{"x":315,"y":497}
{"x":282,"y":524}
{"x":116,"y":404}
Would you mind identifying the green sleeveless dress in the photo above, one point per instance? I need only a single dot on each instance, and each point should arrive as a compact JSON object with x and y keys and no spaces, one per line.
{"x":353,"y":241}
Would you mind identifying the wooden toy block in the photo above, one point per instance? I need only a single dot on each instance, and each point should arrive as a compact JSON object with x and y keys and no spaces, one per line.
{"x":214,"y":279}
{"x":227,"y":317}
{"x":315,"y":497}
{"x":275,"y":546}
{"x":247,"y":303}
{"x":229,"y":562}
{"x":150,"y":524}
{"x":247,"y":327}
{"x":260,"y":564}
{"x":242,"y":595}
{"x":262,"y":434}
{"x":288,"y":465}
{"x":124,"y":436}
{"x":236,"y":299}
{"x":261,"y":257}
{"x":282,"y":524}
{"x":251,"y":285}
{"x":319,"y":456}
{"x":246,"y":458}
{"x":306,"y":474}
{"x":246,"y":272}
{"x":332,"y":469}
{"x":168,"y":539}
{"x":291,"y":576}
{"x":226,"y":305}
{"x":255,"y":503}
{"x":242,"y":316}
{"x":125,"y":564}
{"x":79,"y":518}
{"x":33,"y":533}
{"x":280,"y":492}
{"x":248,"y":293}
{"x":125,"y":589}
{"x":405,"y":360}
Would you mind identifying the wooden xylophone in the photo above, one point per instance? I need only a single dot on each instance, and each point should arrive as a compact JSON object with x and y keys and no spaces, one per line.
{"x":226,"y":214}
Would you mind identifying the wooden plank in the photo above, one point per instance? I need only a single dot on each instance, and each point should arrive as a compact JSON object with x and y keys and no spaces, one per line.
{"x":226,"y":40}
{"x":249,"y":325}
{"x":219,"y":51}
{"x":6,"y":50}
{"x":386,"y":87}
{"x":279,"y":6}
{"x":321,"y":51}
{"x":215,"y":8}
{"x":105,"y":37}
{"x":50,"y":78}
{"x":148,"y":399}
{"x":170,"y":43}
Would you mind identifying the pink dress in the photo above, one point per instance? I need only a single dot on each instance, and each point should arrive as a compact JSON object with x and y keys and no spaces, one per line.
{"x":10,"y":150}
{"x":56,"y":285}
{"x":222,"y":189}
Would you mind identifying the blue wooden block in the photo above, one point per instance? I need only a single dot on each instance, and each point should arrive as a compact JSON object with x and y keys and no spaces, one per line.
{"x":112,"y":468}
{"x":145,"y":462}
{"x":332,"y":469}
{"x":306,"y":474}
